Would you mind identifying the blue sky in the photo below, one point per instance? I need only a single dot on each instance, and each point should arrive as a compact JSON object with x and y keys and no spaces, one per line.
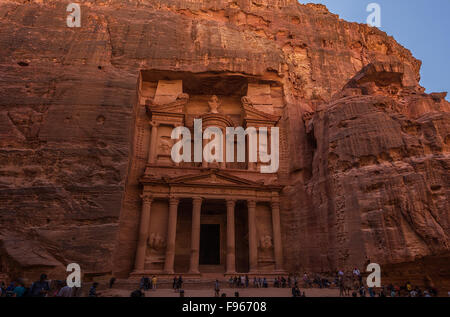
{"x":422,"y":26}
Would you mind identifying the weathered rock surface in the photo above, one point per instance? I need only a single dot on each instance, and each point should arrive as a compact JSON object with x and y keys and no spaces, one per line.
{"x":368,"y":176}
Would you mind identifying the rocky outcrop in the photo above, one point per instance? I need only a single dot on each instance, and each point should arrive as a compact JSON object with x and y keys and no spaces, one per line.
{"x":378,"y":180}
{"x":367,"y":176}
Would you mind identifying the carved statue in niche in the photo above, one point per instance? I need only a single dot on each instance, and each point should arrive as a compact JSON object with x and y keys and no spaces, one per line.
{"x":156,"y":242}
{"x":246,"y":101}
{"x":265,"y":242}
{"x":165,"y":145}
{"x":214,"y":104}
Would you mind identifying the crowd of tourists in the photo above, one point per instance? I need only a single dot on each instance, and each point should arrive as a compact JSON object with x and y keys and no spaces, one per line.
{"x":349,"y":284}
{"x":39,"y":288}
{"x":243,"y":281}
{"x":147,"y":284}
{"x":352,"y":284}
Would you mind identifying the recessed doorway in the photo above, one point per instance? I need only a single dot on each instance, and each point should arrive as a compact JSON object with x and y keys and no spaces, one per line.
{"x":210,"y":244}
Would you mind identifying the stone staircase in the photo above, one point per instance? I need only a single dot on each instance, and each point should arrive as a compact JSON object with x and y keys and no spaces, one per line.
{"x":205,"y":282}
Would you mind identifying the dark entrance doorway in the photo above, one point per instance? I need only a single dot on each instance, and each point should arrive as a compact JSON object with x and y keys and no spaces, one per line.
{"x":209,"y":244}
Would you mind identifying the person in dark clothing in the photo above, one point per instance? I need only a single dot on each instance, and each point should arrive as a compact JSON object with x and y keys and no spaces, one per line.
{"x":296,"y":291}
{"x":174,"y":284}
{"x":180,"y":282}
{"x":93,"y":291}
{"x":137,"y":293}
{"x":40,"y":288}
{"x":112,"y":281}
{"x":216,"y":288}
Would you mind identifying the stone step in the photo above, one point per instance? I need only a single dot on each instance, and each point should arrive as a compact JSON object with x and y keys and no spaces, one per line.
{"x":203,"y":283}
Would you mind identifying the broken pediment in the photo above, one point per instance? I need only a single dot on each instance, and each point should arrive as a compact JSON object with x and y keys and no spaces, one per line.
{"x":212,"y":178}
{"x":254,"y":116}
{"x":259,"y":94}
{"x":168,"y":91}
{"x":176,"y":106}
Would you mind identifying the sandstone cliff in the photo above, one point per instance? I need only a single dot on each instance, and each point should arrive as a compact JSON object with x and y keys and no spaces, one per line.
{"x":369,"y":150}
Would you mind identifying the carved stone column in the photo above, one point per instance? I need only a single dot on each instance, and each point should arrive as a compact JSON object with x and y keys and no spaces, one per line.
{"x":195,"y":235}
{"x":278,"y":248}
{"x":171,"y":235}
{"x":231,"y":243}
{"x":143,"y":232}
{"x":153,"y":143}
{"x":252,"y":242}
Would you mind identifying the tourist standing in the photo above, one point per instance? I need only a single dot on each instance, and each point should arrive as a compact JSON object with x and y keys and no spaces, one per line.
{"x":175,"y":282}
{"x":216,"y":288}
{"x":65,"y":291}
{"x":180,"y":282}
{"x":19,"y":290}
{"x":154,"y":281}
{"x":362,"y":291}
{"x":112,"y":281}
{"x":93,"y":290}
{"x":40,"y":288}
{"x":341,"y":286}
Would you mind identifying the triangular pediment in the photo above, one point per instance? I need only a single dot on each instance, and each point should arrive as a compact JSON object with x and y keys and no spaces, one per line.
{"x":252,"y":114}
{"x":213,"y":178}
{"x":173,"y":107}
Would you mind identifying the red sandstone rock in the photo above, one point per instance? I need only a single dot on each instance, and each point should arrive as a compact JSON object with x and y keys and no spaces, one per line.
{"x":366,"y":168}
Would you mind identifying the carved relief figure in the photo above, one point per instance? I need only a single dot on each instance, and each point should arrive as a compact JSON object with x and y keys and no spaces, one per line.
{"x":246,"y":101}
{"x":156,"y":242}
{"x":214,"y":104}
{"x":265,"y":242}
{"x":165,"y":145}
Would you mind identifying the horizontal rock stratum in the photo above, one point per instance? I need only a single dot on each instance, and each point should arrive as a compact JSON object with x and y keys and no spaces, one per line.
{"x":365,"y":173}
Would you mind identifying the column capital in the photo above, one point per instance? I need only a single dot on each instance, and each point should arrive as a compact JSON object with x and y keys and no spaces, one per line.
{"x":174,"y":200}
{"x":197,"y":199}
{"x":154,"y":124}
{"x":275,"y":203}
{"x":251,"y":203}
{"x":148,"y":198}
{"x":231,"y":202}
